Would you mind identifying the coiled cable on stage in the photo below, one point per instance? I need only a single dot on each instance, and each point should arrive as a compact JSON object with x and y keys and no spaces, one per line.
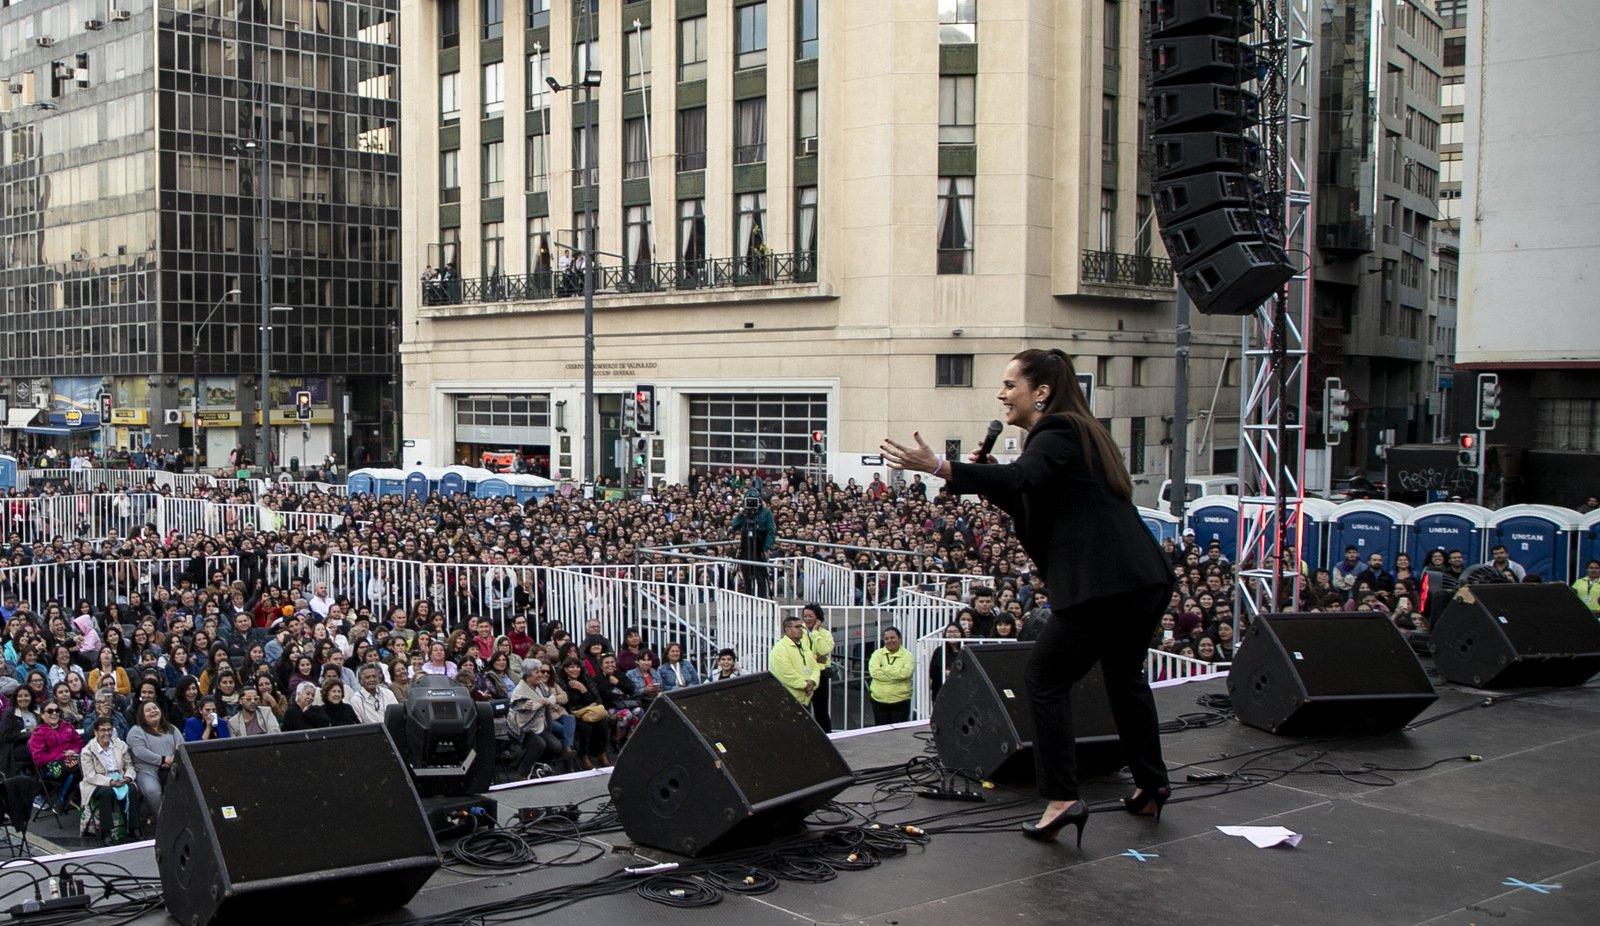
{"x":675,"y":891}
{"x":742,"y":879}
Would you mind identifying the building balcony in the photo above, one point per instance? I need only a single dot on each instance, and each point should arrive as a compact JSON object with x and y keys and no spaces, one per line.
{"x":708,"y":274}
{"x":1114,"y":269}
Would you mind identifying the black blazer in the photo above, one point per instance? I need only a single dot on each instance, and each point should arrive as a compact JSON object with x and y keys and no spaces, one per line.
{"x":1087,"y":542}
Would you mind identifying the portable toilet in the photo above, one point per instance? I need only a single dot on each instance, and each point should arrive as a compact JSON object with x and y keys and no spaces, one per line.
{"x":1540,"y":538}
{"x":417,"y":485}
{"x":361,"y":482}
{"x":461,"y":480}
{"x":452,"y":484}
{"x":494,"y":487}
{"x":526,"y":486}
{"x":8,"y":473}
{"x":1161,"y":524}
{"x":1446,"y":526}
{"x":1588,"y":542}
{"x":1370,"y":525}
{"x":1216,"y":517}
{"x":1311,"y":530}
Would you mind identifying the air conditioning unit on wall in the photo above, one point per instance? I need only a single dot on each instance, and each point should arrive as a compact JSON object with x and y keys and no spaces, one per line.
{"x":174,"y":416}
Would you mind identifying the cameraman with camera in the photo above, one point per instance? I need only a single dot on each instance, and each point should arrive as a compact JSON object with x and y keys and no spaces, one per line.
{"x":757,"y":533}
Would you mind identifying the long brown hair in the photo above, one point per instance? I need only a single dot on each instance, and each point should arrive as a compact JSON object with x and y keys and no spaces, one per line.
{"x":1053,"y":368}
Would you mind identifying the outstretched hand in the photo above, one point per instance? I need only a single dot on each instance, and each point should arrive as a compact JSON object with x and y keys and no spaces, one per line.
{"x":919,"y":458}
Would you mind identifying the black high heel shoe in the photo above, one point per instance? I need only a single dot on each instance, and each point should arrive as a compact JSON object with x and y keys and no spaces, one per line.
{"x":1142,"y":800}
{"x":1077,"y":815}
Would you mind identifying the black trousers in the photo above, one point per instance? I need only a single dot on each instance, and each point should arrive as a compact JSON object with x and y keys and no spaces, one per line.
{"x":106,"y":801}
{"x":1115,"y":630}
{"x":757,"y":580}
{"x":820,"y":701}
{"x":538,"y":747}
{"x":884,"y":713}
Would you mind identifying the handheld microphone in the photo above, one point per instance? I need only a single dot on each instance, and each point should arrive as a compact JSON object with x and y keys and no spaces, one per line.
{"x":987,"y":444}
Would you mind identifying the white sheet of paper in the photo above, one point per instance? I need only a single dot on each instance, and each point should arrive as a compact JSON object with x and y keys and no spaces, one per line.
{"x":1263,"y":836}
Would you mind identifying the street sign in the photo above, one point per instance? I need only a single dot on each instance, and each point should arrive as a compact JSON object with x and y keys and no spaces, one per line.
{"x":872,"y":459}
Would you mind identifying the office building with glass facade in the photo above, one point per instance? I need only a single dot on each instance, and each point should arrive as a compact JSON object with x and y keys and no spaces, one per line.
{"x":138,"y":141}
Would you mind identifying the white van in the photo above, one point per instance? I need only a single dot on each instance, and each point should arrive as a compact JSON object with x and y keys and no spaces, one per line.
{"x":1200,"y":486}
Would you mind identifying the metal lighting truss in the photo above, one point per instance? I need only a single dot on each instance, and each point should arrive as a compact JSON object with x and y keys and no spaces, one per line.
{"x":1272,"y":384}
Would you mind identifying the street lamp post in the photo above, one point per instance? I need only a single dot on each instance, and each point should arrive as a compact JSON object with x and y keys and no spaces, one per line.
{"x":590,"y":79}
{"x":194,"y":393}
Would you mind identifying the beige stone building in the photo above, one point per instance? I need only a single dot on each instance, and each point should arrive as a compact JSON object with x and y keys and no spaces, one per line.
{"x":812,"y":215}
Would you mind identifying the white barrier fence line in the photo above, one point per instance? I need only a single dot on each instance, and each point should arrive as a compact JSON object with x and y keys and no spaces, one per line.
{"x":101,"y":582}
{"x":292,"y":521}
{"x":805,"y":578}
{"x":32,"y":520}
{"x":1162,"y":666}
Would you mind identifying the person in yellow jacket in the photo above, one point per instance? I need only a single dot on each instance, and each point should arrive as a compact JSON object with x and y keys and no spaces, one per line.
{"x":1588,"y":587}
{"x":820,"y":643}
{"x":791,"y":663}
{"x":891,"y":668}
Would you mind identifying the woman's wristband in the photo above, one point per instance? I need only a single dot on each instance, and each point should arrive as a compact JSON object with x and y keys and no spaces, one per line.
{"x":940,"y":465}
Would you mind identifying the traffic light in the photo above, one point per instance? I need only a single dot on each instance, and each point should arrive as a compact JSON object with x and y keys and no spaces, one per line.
{"x":104,"y":400}
{"x":629,"y":412}
{"x":1335,"y":410}
{"x":819,"y":444}
{"x":644,"y":397}
{"x":1467,"y":454}
{"x":641,"y":448}
{"x":1488,"y":401}
{"x":302,"y":406}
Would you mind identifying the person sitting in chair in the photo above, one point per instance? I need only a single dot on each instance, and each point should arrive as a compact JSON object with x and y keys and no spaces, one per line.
{"x":108,"y":784}
{"x":54,"y":747}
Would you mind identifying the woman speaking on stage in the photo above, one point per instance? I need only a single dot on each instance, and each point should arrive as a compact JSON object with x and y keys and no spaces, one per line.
{"x":1070,"y":498}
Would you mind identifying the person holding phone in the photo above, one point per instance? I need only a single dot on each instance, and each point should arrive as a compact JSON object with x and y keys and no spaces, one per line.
{"x":1070,"y":498}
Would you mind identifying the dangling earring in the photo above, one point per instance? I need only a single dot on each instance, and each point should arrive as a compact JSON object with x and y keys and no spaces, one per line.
{"x":1038,"y":406}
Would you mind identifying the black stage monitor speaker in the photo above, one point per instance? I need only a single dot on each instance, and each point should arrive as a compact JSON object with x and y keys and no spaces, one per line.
{"x":318,"y":821}
{"x":1311,"y":674}
{"x":982,"y":722}
{"x":726,"y":764}
{"x":1516,"y":635}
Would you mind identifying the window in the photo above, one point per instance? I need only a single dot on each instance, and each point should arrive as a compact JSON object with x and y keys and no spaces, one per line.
{"x":537,"y":158}
{"x":638,"y":243}
{"x":449,"y":23}
{"x":494,"y":18}
{"x":750,"y":237}
{"x":493,"y":168}
{"x":1108,"y":129}
{"x":635,"y":150}
{"x":585,"y":166}
{"x":1108,"y":220}
{"x":805,"y":119}
{"x":692,"y":48}
{"x":1567,"y":424}
{"x":692,"y":232}
{"x":952,"y":370}
{"x":1136,"y":441}
{"x":1102,"y":376}
{"x":636,"y":59}
{"x":494,"y":89}
{"x":958,"y":22}
{"x":1455,"y":52}
{"x":584,"y":57}
{"x":805,"y":230}
{"x":538,"y":70}
{"x":494,"y":242}
{"x":1141,"y":235}
{"x":1453,"y":12}
{"x":751,"y":48}
{"x":1450,"y":132}
{"x":540,"y":261}
{"x":450,"y":176}
{"x":450,"y":96}
{"x":957,"y":110}
{"x":1112,"y":27}
{"x":955,"y":224}
{"x":806,"y":41}
{"x":581,"y":235}
{"x":692,"y":139}
{"x":750,"y":128}
{"x":538,"y":13}
{"x":762,"y":429}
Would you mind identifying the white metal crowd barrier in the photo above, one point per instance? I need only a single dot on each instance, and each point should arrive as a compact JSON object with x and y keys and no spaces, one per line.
{"x":1161,"y":666}
{"x":38,"y":519}
{"x":101,"y":582}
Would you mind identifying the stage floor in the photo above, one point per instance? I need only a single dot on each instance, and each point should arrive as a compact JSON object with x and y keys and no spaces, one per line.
{"x":1510,"y":839}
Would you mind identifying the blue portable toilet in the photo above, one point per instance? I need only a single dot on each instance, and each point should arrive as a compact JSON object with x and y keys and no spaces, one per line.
{"x":1446,"y":526}
{"x":1540,"y":538}
{"x":1370,"y":525}
{"x":1312,"y":530}
{"x":1216,"y":517}
{"x":1161,"y":524}
{"x":495,"y":487}
{"x":451,"y":484}
{"x":526,"y":486}
{"x":417,"y":485}
{"x":361,"y":482}
{"x":1588,"y":542}
{"x":8,"y":473}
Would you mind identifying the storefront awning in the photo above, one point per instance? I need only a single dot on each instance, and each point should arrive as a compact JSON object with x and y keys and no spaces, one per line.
{"x":20,"y":417}
{"x":60,"y":429}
